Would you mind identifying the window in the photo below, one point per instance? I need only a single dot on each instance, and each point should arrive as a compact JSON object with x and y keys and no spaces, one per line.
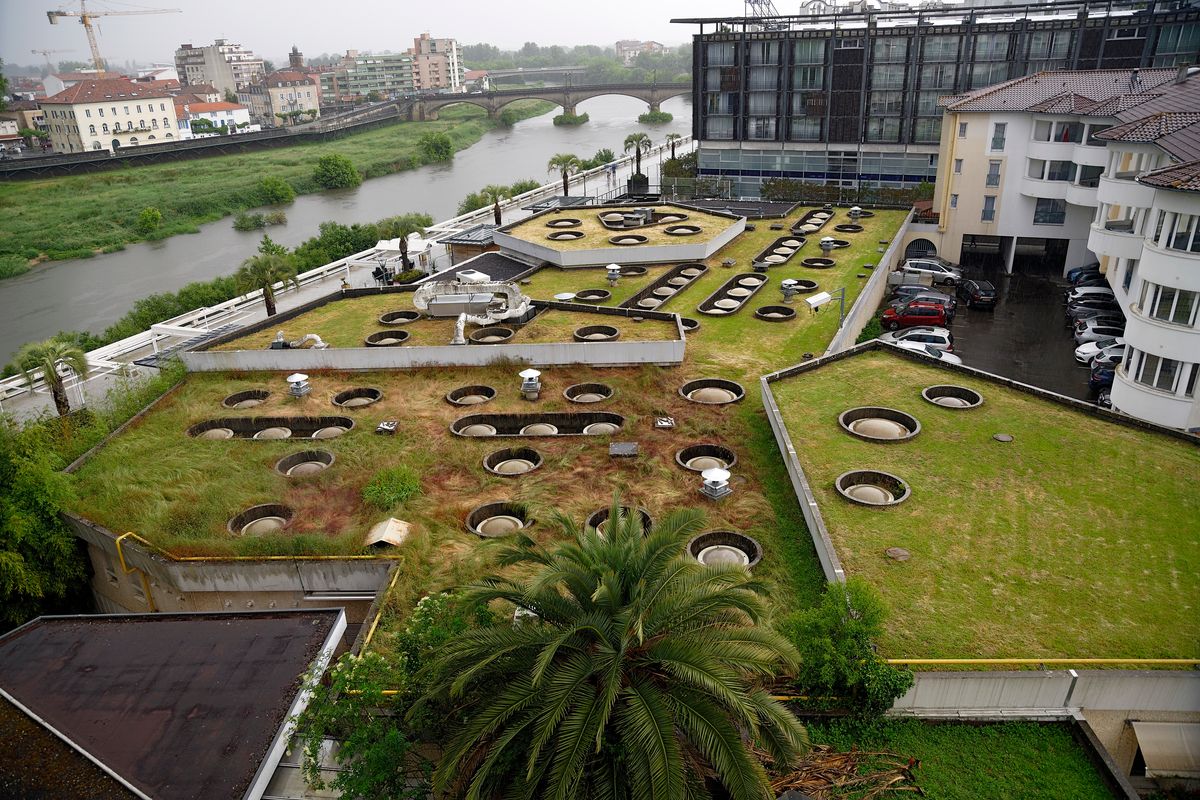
{"x":104,"y":128}
{"x":1127,"y":33}
{"x":883,"y":129}
{"x":1049,"y":44}
{"x":808,"y":78}
{"x":941,"y":48}
{"x":885,"y":103}
{"x":985,"y":73}
{"x":1061,"y":171}
{"x":1050,"y":212}
{"x":138,"y":592}
{"x":761,"y":128}
{"x":927,"y":131}
{"x":87,"y":112}
{"x":111,"y":574}
{"x":989,"y":208}
{"x":887,"y":76}
{"x":962,"y":130}
{"x":154,"y":124}
{"x":92,"y":130}
{"x":139,"y":108}
{"x":991,"y":47}
{"x":166,"y":122}
{"x":1130,"y":270}
{"x":954,"y":201}
{"x":890,"y":49}
{"x":162,"y":106}
{"x":126,"y":109}
{"x":1158,"y":373}
{"x":993,"y":174}
{"x":1068,"y":132}
{"x":1092,"y":131}
{"x":849,"y":43}
{"x":1190,"y":389}
{"x":1042,"y":129}
{"x":1166,"y":303}
{"x":806,"y":130}
{"x":998,"y":135}
{"x":938,"y":76}
{"x":101,"y":110}
{"x":958,"y":166}
{"x":718,"y":128}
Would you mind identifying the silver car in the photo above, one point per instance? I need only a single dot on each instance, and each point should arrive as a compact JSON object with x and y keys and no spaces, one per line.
{"x":941,"y":338}
{"x":1097,"y":332}
{"x":939,"y":272}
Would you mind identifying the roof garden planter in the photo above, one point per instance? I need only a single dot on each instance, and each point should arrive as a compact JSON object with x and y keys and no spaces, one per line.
{"x":305,"y":463}
{"x":776,"y":313}
{"x":951,"y":396}
{"x":492,"y":335}
{"x":724,"y":547}
{"x":564,"y":424}
{"x":597,"y":333}
{"x":848,"y":228}
{"x":869,"y":487}
{"x":251,"y":398}
{"x":699,"y":457}
{"x":817,"y":263}
{"x":565,"y":236}
{"x":598,"y":519}
{"x":387,"y":339}
{"x":879,"y":424}
{"x":632,"y":271}
{"x":359,"y":397}
{"x":512,"y":461}
{"x":628,"y":239}
{"x":247,"y":427}
{"x":473,"y":395}
{"x":402,"y":317}
{"x":498,"y":519}
{"x":564,"y":222}
{"x":682,"y":230}
{"x":689,"y":324}
{"x":588,"y":392}
{"x":733,"y":294}
{"x":260,"y":520}
{"x":593,"y":295}
{"x":712,"y":391}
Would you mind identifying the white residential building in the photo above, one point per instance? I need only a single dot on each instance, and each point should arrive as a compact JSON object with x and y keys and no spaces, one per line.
{"x":234,"y":118}
{"x":109,"y":115}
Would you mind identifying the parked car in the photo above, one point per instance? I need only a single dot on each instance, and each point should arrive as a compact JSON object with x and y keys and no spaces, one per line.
{"x":1109,"y":357}
{"x":1091,"y":279}
{"x":977,"y":294}
{"x":932,"y":352}
{"x":1101,"y":377}
{"x":906,"y":290}
{"x":1100,"y":322}
{"x":1098,"y":318}
{"x":914,"y":314}
{"x":930,"y":296}
{"x":1104,"y":399}
{"x":1082,"y":309}
{"x":1074,"y":273}
{"x":1087,"y":351}
{"x":1098,"y":332}
{"x":937,"y":269}
{"x":1089,"y":293}
{"x":941,"y":338}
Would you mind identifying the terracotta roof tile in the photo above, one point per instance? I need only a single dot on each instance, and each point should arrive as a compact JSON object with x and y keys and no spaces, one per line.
{"x":1151,"y":128}
{"x":101,"y":91}
{"x":1055,"y":88}
{"x":1182,"y":177}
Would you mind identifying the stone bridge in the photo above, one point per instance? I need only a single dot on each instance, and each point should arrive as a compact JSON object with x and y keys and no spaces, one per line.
{"x":427,"y":106}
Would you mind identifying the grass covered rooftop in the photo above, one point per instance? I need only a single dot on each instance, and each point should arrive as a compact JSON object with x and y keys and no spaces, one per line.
{"x":1079,"y":538}
{"x":595,"y":234}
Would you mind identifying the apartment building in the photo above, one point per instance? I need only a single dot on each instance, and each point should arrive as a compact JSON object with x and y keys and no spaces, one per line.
{"x":357,"y":75}
{"x":228,"y":67}
{"x":232,"y":117}
{"x":437,"y":64}
{"x":109,"y":115}
{"x":851,"y":97}
{"x":629,"y":49}
{"x":1019,"y":165}
{"x":283,"y":92}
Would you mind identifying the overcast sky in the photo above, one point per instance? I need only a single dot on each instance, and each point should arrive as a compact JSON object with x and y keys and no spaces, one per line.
{"x":270,"y":27}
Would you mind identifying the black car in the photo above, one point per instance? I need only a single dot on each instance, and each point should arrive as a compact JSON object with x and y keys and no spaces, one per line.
{"x":1082,"y":308}
{"x":977,"y":294}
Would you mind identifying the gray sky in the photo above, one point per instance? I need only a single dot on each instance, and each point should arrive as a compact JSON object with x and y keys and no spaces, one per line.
{"x":270,"y":27}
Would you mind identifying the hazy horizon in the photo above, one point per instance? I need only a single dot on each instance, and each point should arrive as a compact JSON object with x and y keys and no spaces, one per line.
{"x":274,"y":26}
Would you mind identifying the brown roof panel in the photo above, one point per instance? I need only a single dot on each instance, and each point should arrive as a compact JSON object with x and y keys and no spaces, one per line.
{"x":1031,"y":91}
{"x":181,"y":706}
{"x":1181,"y":177}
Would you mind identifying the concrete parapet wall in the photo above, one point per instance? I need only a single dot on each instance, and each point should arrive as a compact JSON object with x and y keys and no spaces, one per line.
{"x":872,"y":294}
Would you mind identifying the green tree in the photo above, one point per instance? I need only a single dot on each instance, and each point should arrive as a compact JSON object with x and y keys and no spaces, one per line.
{"x":495,"y":194}
{"x":523,"y":186}
{"x":273,"y":190}
{"x":673,"y":139}
{"x":374,"y":96}
{"x":230,"y":96}
{"x":436,"y":146}
{"x":48,"y":358}
{"x":3,"y":87}
{"x":39,"y":559}
{"x":638,"y":143}
{"x":635,"y":674}
{"x":149,"y":220}
{"x":400,"y":227}
{"x":567,"y":164}
{"x":270,"y":247}
{"x":335,"y":171}
{"x":836,"y":644}
{"x":29,"y":134}
{"x":263,"y":271}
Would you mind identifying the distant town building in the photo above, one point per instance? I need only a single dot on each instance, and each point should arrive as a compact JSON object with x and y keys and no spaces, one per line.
{"x":109,"y":114}
{"x":231,"y":117}
{"x":851,"y":99}
{"x":437,"y":64}
{"x":629,"y":49}
{"x":56,"y":82}
{"x":281,"y":94}
{"x":357,"y":75}
{"x":477,"y":80}
{"x":159,"y":73}
{"x":26,"y":115}
{"x":228,"y":67}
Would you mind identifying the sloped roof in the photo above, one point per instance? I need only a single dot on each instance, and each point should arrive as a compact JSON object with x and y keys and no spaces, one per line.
{"x":204,"y":108}
{"x":1181,"y":177}
{"x":91,"y":91}
{"x":1067,"y":89}
{"x":1150,"y":128}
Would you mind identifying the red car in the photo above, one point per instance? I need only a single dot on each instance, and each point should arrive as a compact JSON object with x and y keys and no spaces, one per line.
{"x":914,"y":314}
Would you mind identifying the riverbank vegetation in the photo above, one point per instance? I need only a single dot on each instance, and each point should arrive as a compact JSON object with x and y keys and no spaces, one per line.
{"x":571,"y":119}
{"x":600,"y":64}
{"x":78,"y":216}
{"x":655,"y":117}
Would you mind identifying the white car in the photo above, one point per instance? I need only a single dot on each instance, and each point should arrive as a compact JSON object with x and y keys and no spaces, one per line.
{"x":932,"y":352}
{"x":1089,"y":293}
{"x":941,"y":338}
{"x":1088,"y":350}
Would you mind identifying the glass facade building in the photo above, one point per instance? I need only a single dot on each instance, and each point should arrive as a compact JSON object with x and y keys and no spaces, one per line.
{"x":852,"y":98}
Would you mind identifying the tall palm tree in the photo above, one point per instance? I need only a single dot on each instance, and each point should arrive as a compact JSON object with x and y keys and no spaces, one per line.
{"x":638,"y":143}
{"x":399,"y":228}
{"x":495,"y":193}
{"x":566,"y":163}
{"x":673,"y":139}
{"x":263,"y":271}
{"x":636,"y":674}
{"x":47,"y":358}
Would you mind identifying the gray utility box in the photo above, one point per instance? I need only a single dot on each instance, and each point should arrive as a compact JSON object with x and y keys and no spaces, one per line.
{"x":451,"y":305}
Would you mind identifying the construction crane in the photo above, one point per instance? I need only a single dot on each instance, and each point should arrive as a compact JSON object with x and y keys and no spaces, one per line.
{"x":46,"y":55}
{"x":86,"y":17}
{"x":760,"y":8}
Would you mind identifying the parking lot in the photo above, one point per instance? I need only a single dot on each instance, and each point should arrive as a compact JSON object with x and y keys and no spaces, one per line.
{"x":1025,"y":338}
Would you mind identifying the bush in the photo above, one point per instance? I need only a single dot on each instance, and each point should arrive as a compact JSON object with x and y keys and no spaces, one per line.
{"x":12,"y":265}
{"x":273,"y":190}
{"x":871,"y":330}
{"x":571,"y":119}
{"x":603,"y":156}
{"x":276,"y":218}
{"x":335,"y":171}
{"x":655,"y":117}
{"x":408,"y":276}
{"x":683,"y":167}
{"x":249,"y":222}
{"x":473,"y":202}
{"x":149,"y":219}
{"x":436,"y":147}
{"x":509,"y":117}
{"x":391,"y":487}
{"x":521,"y":187}
{"x":837,"y":653}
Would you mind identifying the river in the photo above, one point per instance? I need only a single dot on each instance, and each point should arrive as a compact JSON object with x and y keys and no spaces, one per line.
{"x":90,"y":294}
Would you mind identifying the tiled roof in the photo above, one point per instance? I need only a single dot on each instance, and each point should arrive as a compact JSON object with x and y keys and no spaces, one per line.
{"x":201,"y":108}
{"x":1065,"y":103}
{"x":99,"y":91}
{"x":1151,"y":128}
{"x":86,"y":76}
{"x":284,"y":77}
{"x":1182,"y":177}
{"x":1062,"y":89}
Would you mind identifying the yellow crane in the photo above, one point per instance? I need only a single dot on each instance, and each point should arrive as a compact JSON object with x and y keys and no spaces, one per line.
{"x":46,"y":55}
{"x":86,"y":17}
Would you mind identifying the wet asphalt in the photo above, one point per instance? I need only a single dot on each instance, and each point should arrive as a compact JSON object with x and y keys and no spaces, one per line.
{"x":1025,"y":338}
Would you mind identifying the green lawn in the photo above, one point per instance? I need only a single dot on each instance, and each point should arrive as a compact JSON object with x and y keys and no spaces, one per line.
{"x":78,"y":215}
{"x":1078,"y":539}
{"x":1009,"y":761}
{"x":597,"y":235}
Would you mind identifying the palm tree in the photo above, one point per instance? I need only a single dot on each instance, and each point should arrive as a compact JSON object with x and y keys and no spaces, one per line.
{"x":566,"y":163}
{"x":638,"y":143}
{"x":636,"y":674}
{"x":263,"y":271}
{"x":47,"y":357}
{"x":495,"y":193}
{"x":399,"y":228}
{"x":673,"y":139}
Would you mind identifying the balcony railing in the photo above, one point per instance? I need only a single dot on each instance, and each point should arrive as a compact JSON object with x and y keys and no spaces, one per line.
{"x":1119,"y":225}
